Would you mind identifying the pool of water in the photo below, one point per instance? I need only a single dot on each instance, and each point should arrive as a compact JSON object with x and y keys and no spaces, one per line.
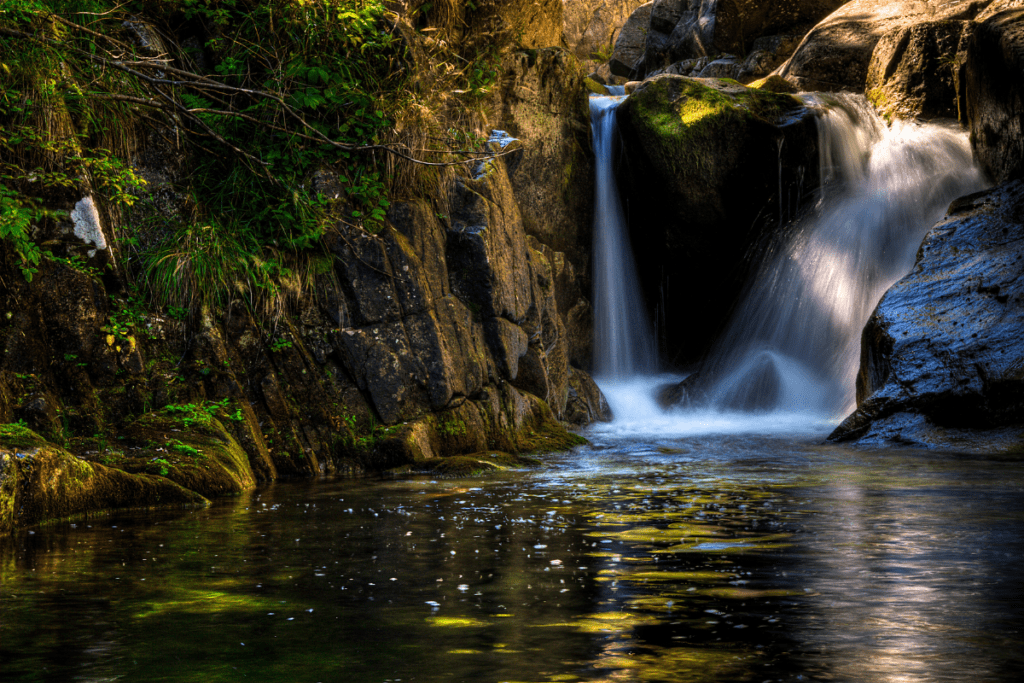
{"x":683,"y":556}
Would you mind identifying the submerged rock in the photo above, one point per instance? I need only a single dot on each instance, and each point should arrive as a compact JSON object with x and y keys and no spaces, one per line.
{"x":705,"y":162}
{"x":942,"y":357}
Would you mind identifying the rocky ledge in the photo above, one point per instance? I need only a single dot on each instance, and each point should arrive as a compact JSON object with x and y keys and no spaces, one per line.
{"x":941,"y":357}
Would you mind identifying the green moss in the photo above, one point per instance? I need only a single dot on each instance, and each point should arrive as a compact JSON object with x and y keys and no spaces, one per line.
{"x":595,"y":87}
{"x":478,"y":463}
{"x":689,"y":117}
{"x":15,"y":435}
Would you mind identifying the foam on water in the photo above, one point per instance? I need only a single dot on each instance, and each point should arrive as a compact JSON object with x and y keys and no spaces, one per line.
{"x":637,"y":412}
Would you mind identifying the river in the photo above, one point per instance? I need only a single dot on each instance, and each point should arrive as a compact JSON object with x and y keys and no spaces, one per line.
{"x":756,"y":555}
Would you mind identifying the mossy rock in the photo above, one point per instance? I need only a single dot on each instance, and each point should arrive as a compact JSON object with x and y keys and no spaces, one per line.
{"x":16,"y":436}
{"x":775,"y":84}
{"x":705,"y":160}
{"x":595,"y":87}
{"x":44,"y":482}
{"x":477,"y":463}
{"x":687,"y":116}
{"x":201,"y":456}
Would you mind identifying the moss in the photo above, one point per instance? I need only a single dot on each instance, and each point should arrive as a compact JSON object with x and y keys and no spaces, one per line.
{"x":51,"y":484}
{"x":17,"y":436}
{"x":595,"y":87}
{"x":477,"y":463}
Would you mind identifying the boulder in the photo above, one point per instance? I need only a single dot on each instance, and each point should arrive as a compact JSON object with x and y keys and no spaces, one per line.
{"x":994,"y":103}
{"x":942,"y":357}
{"x":40,"y":481}
{"x":591,"y":28}
{"x":631,"y":43}
{"x":768,"y":53}
{"x":704,"y":163}
{"x":682,"y":29}
{"x":836,"y":54}
{"x":913,"y":70}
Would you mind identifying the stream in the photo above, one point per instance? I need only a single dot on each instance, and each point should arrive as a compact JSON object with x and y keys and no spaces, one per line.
{"x":753,"y":555}
{"x":704,"y":544}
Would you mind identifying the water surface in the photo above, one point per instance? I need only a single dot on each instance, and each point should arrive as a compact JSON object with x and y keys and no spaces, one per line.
{"x":686,"y":556}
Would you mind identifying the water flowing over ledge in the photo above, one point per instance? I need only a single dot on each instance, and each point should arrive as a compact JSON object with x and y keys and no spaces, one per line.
{"x":789,"y":357}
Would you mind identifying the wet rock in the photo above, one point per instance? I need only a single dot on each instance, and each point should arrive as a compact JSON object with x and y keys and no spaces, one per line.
{"x":994,"y":104}
{"x":913,"y":70}
{"x":689,"y":145}
{"x":585,"y":402}
{"x":942,"y":353}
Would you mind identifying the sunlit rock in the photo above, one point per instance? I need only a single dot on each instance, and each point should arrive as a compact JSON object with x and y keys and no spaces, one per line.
{"x":943,"y":350}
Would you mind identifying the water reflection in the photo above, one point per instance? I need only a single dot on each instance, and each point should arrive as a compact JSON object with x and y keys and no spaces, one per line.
{"x":671,"y":558}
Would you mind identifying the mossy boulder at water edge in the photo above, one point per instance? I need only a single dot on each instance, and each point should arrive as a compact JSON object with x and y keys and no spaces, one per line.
{"x":705,"y":160}
{"x":40,"y":481}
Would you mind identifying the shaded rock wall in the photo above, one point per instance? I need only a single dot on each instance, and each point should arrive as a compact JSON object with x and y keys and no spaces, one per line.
{"x":993,"y":74}
{"x":462,"y":325}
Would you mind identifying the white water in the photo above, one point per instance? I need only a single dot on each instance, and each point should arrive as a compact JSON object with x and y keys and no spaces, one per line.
{"x":623,"y":343}
{"x":789,"y":358}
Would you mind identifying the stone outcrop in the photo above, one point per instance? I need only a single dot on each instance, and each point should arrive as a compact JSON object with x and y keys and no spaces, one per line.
{"x":837,"y":53}
{"x":914,"y":70}
{"x":591,"y":28}
{"x":627,"y":57}
{"x":993,"y":72}
{"x":942,"y":359}
{"x":690,"y":145}
{"x":686,"y":29}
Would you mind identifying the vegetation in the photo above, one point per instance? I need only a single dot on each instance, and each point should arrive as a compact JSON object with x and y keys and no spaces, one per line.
{"x":292,"y":115}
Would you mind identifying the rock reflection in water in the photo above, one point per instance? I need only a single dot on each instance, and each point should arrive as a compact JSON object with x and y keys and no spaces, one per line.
{"x":682,"y":558}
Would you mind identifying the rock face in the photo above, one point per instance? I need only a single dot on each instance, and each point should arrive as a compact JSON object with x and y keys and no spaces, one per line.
{"x":684,"y":29}
{"x":942,"y":360}
{"x":837,"y":53}
{"x":628,"y":54}
{"x":913,"y":70}
{"x":458,"y":324}
{"x":689,"y":145}
{"x":542,"y":101}
{"x":591,"y":28}
{"x":994,"y":103}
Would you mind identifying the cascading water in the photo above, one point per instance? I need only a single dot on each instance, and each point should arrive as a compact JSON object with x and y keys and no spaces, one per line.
{"x":793,"y":344}
{"x":794,"y":341}
{"x":623,"y":343}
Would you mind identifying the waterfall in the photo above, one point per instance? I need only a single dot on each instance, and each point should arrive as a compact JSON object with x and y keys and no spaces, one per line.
{"x":794,"y":340}
{"x":624,"y":345}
